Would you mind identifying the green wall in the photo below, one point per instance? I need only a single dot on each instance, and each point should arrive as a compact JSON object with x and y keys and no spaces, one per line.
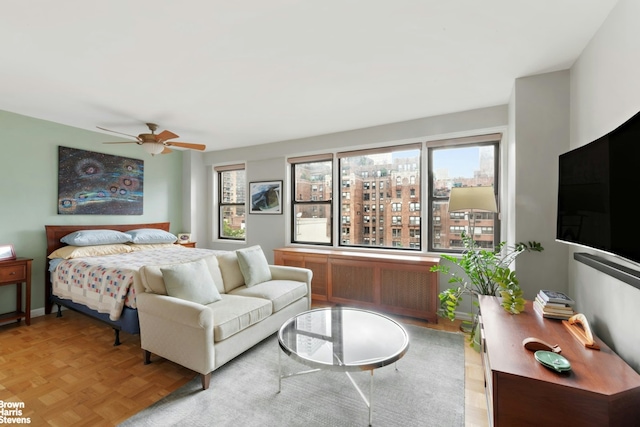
{"x":29,"y":190}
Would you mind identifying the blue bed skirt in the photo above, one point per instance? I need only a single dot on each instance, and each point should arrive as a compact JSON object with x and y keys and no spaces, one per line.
{"x":128,"y":321}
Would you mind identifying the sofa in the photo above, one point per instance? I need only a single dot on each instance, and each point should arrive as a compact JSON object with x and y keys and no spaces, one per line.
{"x":204,"y":313}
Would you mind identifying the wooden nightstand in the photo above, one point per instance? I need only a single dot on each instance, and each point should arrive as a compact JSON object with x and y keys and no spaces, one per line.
{"x":16,"y":272}
{"x":187,"y":245}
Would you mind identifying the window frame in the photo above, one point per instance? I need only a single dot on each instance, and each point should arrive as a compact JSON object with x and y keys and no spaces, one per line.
{"x":376,"y":179}
{"x":320,"y":158}
{"x":220,"y":170}
{"x":492,"y":140}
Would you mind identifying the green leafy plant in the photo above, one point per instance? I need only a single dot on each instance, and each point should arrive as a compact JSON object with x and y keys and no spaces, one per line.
{"x":484,"y":272}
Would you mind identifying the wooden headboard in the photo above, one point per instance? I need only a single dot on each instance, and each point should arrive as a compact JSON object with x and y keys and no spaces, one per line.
{"x":56,"y":232}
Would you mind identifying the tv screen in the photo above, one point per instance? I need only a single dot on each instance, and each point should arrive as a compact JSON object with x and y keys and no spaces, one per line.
{"x":598,"y":188}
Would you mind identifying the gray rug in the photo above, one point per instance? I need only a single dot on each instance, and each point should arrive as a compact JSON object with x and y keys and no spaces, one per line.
{"x":426,"y":390}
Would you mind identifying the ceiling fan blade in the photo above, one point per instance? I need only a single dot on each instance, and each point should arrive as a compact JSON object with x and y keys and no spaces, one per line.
{"x":200,"y":147}
{"x":122,"y":142}
{"x":165,"y":135}
{"x":114,"y":131}
{"x":166,"y":150}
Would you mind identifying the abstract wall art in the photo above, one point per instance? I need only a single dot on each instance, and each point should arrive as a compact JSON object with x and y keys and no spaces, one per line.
{"x":266,"y":197}
{"x":92,"y":183}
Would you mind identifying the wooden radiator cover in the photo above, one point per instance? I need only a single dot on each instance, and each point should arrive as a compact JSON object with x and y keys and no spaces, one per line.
{"x":399,"y":284}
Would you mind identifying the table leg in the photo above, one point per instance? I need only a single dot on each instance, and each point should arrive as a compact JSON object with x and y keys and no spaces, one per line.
{"x":279,"y":370}
{"x":371,"y":399}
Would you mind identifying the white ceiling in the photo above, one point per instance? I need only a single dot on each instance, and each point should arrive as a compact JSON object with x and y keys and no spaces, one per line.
{"x":237,"y":73}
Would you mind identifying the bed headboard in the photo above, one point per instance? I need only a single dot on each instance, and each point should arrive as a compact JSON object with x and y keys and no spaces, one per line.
{"x":56,"y":232}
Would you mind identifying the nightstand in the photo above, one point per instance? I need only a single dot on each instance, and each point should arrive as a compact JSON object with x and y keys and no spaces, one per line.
{"x":187,"y":245}
{"x":16,"y":272}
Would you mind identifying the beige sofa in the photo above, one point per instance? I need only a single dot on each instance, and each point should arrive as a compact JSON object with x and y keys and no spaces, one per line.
{"x":255,"y":299}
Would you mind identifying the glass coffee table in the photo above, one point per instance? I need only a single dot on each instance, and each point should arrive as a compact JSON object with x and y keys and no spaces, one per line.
{"x":344,"y":340}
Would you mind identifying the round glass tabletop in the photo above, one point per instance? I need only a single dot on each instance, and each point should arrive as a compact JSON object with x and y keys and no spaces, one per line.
{"x":343,"y":339}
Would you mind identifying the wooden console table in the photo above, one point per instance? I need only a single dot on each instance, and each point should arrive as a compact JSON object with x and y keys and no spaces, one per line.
{"x":600,"y":390}
{"x":399,"y":284}
{"x":16,"y":272}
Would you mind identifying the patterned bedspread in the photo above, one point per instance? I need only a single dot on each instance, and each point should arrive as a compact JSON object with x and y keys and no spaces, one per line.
{"x":104,"y":283}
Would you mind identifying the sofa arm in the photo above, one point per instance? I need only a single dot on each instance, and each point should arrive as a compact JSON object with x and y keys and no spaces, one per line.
{"x":178,"y":330}
{"x":297,"y":274}
{"x":285,"y":272}
{"x":175,"y":310}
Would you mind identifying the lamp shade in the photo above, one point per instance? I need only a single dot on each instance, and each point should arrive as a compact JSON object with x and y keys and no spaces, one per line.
{"x":153,"y":147}
{"x":476,"y":198}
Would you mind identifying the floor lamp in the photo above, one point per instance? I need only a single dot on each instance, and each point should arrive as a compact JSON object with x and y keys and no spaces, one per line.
{"x":470,"y":199}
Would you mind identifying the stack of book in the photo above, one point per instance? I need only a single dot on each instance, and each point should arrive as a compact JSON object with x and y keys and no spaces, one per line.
{"x":553,"y":305}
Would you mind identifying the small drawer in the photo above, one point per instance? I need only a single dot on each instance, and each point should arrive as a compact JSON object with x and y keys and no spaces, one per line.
{"x":13,"y":273}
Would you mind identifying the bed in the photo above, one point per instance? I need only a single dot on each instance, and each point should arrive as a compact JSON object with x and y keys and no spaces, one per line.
{"x":101,"y":286}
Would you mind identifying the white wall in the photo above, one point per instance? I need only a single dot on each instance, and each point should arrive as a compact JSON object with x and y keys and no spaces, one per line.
{"x":605,"y":92}
{"x":29,"y":190}
{"x":268,"y":162}
{"x":540,"y":128}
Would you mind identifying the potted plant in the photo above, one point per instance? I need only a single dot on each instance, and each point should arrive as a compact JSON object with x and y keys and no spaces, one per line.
{"x":486,"y":272}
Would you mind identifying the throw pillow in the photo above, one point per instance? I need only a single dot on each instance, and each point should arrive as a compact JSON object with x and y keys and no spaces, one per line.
{"x":191,"y":281}
{"x":253,"y":265}
{"x":230,"y":270}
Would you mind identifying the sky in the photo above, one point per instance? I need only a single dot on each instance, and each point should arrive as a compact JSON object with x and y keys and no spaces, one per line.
{"x":461,"y":162}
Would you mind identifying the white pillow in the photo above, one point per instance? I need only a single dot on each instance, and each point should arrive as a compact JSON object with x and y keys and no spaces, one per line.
{"x":253,"y":265}
{"x":230,"y":270}
{"x":191,"y":281}
{"x":151,"y":235}
{"x":95,"y":237}
{"x":69,"y":252}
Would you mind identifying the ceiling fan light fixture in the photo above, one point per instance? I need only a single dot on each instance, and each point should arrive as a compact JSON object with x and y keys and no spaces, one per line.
{"x":153,"y":148}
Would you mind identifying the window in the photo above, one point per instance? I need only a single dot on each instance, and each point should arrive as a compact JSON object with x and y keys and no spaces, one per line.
{"x":311,"y":204}
{"x":387,"y":182}
{"x":232,"y":187}
{"x":462,"y":162}
{"x":393,"y":165}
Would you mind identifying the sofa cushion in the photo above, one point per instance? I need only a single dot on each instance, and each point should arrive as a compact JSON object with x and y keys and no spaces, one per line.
{"x":152,"y":280}
{"x":190,"y":281}
{"x":230,"y":270}
{"x":253,"y":265}
{"x":281,"y":293}
{"x":234,"y":313}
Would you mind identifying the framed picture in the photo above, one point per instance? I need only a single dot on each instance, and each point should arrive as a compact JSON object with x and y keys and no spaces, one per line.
{"x":7,"y":252}
{"x":265,"y":197}
{"x":184,"y":238}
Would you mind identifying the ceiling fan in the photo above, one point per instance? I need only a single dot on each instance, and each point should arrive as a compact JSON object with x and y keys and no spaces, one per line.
{"x":156,"y":143}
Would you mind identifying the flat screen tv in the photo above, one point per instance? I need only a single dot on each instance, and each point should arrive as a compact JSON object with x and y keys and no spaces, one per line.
{"x":599,"y":193}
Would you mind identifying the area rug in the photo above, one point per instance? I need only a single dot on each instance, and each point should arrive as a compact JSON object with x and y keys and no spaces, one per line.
{"x":426,"y":389}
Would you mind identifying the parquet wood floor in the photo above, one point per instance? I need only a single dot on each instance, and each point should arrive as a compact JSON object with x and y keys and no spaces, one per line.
{"x":68,"y":373}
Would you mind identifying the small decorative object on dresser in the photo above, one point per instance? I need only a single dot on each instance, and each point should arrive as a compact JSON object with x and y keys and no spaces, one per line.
{"x":7,"y":252}
{"x":184,"y":238}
